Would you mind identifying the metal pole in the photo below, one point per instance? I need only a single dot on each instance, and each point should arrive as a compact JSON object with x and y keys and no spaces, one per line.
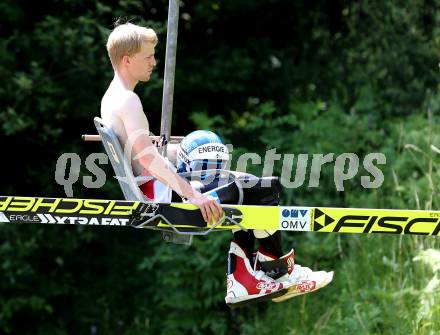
{"x":170,"y":66}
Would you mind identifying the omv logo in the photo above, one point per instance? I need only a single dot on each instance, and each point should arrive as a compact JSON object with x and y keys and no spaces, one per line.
{"x":295,"y":218}
{"x":294,"y":213}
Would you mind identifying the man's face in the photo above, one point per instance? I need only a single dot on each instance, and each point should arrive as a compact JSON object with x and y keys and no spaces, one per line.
{"x":141,"y":64}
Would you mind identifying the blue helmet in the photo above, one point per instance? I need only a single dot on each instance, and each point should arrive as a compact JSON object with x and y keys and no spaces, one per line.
{"x":201,"y":150}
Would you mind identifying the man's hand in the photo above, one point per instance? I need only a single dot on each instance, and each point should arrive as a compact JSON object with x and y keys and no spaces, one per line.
{"x":208,"y":207}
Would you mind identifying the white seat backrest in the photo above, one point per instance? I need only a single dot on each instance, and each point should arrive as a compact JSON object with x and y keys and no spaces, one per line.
{"x":122,"y":169}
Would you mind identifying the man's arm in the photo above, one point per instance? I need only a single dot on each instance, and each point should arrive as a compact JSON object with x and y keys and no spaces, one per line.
{"x":137,"y":129}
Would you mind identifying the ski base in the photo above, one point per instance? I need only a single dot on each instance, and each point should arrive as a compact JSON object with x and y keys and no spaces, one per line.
{"x":266,"y":297}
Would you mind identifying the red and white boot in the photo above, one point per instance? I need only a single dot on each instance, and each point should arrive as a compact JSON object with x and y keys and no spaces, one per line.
{"x":302,"y":279}
{"x":244,"y":285}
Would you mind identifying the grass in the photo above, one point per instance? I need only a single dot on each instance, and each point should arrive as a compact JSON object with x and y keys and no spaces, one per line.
{"x":385,"y":285}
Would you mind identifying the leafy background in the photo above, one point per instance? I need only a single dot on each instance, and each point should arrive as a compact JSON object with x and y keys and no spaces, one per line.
{"x":300,"y":77}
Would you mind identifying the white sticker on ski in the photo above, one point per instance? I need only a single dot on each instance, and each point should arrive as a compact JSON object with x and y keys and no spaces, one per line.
{"x":295,"y":218}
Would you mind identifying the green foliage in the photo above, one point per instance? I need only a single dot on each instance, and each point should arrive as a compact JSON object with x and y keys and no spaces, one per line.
{"x":383,"y":284}
{"x":301,"y":78}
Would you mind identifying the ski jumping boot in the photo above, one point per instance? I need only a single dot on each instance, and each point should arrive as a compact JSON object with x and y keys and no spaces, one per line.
{"x":244,"y":285}
{"x":302,"y":279}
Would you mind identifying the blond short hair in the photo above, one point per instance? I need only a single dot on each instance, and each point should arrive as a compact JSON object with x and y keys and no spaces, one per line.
{"x":126,"y":39}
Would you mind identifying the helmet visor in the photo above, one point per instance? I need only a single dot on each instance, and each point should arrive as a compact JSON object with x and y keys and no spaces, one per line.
{"x":207,"y":164}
